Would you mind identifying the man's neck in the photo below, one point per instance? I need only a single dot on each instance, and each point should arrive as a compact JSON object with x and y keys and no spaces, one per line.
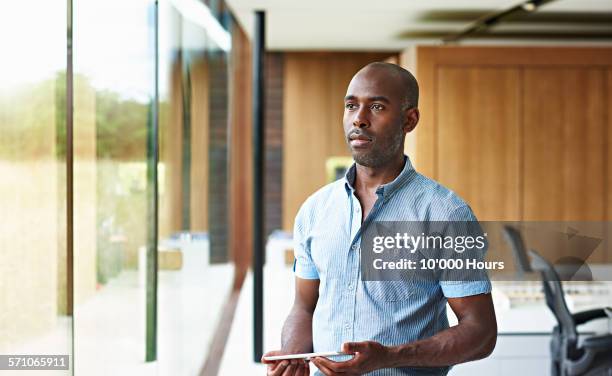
{"x":368,"y":179}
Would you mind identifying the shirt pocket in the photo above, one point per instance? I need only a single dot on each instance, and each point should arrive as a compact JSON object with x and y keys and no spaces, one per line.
{"x":390,"y":291}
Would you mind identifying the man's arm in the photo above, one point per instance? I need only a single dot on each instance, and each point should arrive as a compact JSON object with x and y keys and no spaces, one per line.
{"x":297,"y":331}
{"x":472,"y":338}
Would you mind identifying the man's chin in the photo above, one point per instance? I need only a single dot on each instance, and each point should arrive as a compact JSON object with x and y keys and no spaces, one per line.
{"x":364,"y":159}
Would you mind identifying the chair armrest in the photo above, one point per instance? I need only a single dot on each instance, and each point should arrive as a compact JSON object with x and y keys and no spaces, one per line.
{"x":586,"y":316}
{"x":598,"y":343}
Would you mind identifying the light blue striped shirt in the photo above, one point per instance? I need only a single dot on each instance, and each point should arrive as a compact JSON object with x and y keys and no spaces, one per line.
{"x":327,"y":235}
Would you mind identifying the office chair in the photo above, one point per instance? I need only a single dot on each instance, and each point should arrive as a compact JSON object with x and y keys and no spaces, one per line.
{"x":567,"y":271}
{"x":514,"y":237}
{"x":591,"y":356}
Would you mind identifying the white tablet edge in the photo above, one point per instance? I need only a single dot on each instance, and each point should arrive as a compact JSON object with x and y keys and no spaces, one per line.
{"x":303,"y":356}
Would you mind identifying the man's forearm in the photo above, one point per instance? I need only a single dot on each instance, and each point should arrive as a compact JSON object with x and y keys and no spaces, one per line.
{"x":297,"y":331}
{"x":458,"y":344}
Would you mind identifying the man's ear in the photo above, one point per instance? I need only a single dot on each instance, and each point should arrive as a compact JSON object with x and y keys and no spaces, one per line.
{"x":411,"y":119}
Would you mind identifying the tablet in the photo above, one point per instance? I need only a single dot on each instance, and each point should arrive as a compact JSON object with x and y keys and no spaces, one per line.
{"x":304,"y":356}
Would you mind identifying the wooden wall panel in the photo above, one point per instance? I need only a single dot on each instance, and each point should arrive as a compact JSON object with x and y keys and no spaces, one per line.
{"x":422,"y":140}
{"x":608,"y":163}
{"x":200,"y":115}
{"x":240,"y":150}
{"x":314,"y":87}
{"x":564,"y":131}
{"x":478,"y":138}
{"x":584,"y":144}
{"x":564,"y":144}
{"x":170,"y":156}
{"x":306,"y":101}
{"x":543,"y":145}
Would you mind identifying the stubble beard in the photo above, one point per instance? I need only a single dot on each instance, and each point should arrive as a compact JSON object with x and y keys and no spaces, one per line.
{"x":378,"y":157}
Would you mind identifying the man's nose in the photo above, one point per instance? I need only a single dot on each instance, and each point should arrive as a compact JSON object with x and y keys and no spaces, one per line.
{"x":361,"y":119}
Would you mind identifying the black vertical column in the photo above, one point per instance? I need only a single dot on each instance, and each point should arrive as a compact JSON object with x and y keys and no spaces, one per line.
{"x":259,"y":47}
{"x":186,"y":157}
{"x":69,"y":178}
{"x":152,"y":201}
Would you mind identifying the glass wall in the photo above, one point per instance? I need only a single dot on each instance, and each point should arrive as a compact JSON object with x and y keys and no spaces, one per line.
{"x":140,"y":293}
{"x":34,"y":310}
{"x":114,"y":81}
{"x":194,"y":275}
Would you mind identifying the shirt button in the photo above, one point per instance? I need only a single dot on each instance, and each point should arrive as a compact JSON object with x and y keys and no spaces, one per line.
{"x":347,"y":326}
{"x":354,"y":247}
{"x":350,"y":287}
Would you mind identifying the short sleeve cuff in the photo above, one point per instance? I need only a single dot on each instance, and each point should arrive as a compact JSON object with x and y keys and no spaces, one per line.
{"x":462,"y":289}
{"x":304,"y":271}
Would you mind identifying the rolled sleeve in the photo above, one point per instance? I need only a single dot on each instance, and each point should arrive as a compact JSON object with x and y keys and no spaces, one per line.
{"x":463,"y":289}
{"x":470,"y":282}
{"x":303,"y":266}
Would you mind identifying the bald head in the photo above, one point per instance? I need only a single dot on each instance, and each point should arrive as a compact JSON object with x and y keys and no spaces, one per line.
{"x":380,"y":108}
{"x":407,"y":84}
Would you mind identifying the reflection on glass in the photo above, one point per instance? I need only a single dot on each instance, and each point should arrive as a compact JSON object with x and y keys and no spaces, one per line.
{"x":113,"y":86}
{"x":194,"y":276}
{"x":33,"y":310}
{"x":113,"y":90}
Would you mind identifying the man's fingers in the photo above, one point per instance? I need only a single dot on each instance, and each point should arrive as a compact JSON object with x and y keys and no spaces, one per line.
{"x":326,"y":371}
{"x":353,"y":347}
{"x":290,"y":370}
{"x":303,"y":370}
{"x":278,"y":368}
{"x":334,"y":366}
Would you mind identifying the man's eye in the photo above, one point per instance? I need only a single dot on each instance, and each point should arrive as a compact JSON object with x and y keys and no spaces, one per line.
{"x":377,"y":107}
{"x":350,"y":106}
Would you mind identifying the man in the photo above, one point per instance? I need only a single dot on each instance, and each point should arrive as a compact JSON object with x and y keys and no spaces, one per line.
{"x":391,"y":328}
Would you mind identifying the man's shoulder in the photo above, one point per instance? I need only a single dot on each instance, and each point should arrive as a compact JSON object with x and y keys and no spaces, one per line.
{"x":436,"y":196}
{"x":323,"y":195}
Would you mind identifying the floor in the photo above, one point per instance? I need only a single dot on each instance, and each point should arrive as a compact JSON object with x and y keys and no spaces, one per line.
{"x":522,"y":346}
{"x":110,"y":331}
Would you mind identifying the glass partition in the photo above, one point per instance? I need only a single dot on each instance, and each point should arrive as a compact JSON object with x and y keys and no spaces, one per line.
{"x":114,"y":81}
{"x":34,"y":291}
{"x":34,"y":310}
{"x":195,"y":277}
{"x":118,"y":326}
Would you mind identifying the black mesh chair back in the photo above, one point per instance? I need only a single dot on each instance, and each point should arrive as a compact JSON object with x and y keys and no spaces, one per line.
{"x":555,"y":299}
{"x":519,"y":252}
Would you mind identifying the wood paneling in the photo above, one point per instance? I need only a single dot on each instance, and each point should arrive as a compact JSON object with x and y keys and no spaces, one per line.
{"x":515,"y":56}
{"x":543,"y":145}
{"x":313,"y":92}
{"x":240,"y":149}
{"x":199,"y":145}
{"x":555,"y":130}
{"x":584,"y":144}
{"x":608,"y":164}
{"x":563,"y":142}
{"x":306,"y":135}
{"x":170,"y":156}
{"x":422,"y":139}
{"x":480,"y":104}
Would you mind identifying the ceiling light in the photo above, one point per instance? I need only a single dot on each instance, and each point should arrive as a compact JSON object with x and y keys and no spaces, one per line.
{"x":198,"y":13}
{"x":529,"y":6}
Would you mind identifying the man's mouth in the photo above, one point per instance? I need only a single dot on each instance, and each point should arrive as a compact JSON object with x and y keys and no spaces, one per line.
{"x":359,"y":141}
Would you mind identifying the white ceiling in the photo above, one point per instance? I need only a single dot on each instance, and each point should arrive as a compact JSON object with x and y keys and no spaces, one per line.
{"x":378,"y":25}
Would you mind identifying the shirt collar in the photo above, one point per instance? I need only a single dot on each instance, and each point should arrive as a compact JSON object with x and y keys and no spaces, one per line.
{"x":386,"y":190}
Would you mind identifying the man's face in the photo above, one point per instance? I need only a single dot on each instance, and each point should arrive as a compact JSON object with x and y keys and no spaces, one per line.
{"x":374,"y":117}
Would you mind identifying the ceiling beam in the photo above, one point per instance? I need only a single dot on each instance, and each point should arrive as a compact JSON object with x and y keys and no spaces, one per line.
{"x":490,"y":19}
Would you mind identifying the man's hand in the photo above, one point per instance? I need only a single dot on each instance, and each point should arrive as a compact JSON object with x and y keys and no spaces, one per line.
{"x":369,"y":356}
{"x":293,"y":367}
